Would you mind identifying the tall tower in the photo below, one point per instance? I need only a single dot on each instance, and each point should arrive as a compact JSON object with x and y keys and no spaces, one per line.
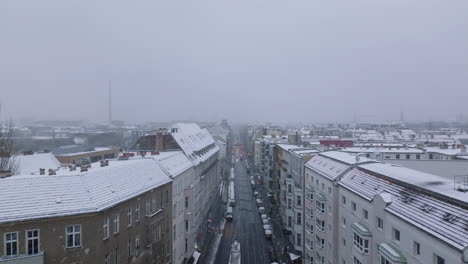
{"x":110,"y":102}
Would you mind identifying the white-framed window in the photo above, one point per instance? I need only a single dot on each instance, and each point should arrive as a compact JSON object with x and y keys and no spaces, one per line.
{"x":320,"y":224}
{"x":416,"y":248}
{"x":380,"y":223}
{"x":320,"y":259}
{"x":137,"y":245}
{"x":289,"y":188}
{"x":299,"y":200}
{"x":137,"y":212}
{"x":299,"y":218}
{"x":148,"y":208}
{"x":396,"y":234}
{"x":116,"y":223}
{"x":320,"y":241}
{"x":105,"y":228}
{"x":353,"y":207}
{"x":356,"y":260}
{"x":310,"y":228}
{"x":11,"y":243}
{"x":361,"y":244}
{"x":107,"y":258}
{"x":320,"y":206}
{"x":32,"y":241}
{"x":129,"y":216}
{"x":73,"y":235}
{"x":365,"y":214}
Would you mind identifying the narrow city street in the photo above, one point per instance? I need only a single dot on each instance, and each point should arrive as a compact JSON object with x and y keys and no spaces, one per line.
{"x":246,"y":225}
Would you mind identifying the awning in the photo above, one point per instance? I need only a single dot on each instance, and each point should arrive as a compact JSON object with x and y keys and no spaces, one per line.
{"x":293,"y":256}
{"x":392,"y":253}
{"x":196,"y":256}
{"x":361,"y":229}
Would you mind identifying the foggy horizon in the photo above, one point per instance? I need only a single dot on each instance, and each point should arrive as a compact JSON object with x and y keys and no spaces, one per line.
{"x":244,"y":61}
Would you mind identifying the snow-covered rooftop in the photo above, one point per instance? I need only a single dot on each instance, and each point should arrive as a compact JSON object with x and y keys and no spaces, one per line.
{"x":72,"y":192}
{"x":174,"y":162}
{"x":443,"y":219}
{"x":197,"y":144}
{"x":29,"y":164}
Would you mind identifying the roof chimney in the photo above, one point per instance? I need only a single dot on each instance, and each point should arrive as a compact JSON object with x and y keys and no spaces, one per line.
{"x":104,"y":163}
{"x":52,"y":172}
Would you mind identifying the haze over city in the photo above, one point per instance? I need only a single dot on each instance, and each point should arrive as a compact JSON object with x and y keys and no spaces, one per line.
{"x":309,"y":61}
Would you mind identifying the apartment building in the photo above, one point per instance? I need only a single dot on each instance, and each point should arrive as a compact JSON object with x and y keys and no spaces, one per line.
{"x":392,"y":214}
{"x":322,"y":172}
{"x":201,"y":150}
{"x":363,"y":211}
{"x":115,"y":211}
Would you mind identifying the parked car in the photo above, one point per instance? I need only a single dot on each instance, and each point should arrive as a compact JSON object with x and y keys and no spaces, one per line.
{"x":229,"y":213}
{"x":261,"y":210}
{"x":259,"y":202}
{"x":263,"y":216}
{"x":265,"y":222}
{"x":256,"y":194}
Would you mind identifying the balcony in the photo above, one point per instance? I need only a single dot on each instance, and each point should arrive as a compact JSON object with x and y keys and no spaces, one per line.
{"x":30,"y":259}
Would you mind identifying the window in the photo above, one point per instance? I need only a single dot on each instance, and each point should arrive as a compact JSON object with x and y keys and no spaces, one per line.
{"x":353,"y":206}
{"x":439,"y":260}
{"x":329,"y":190}
{"x":397,"y":156}
{"x":129,"y":248}
{"x":361,"y":244}
{"x":320,"y":206}
{"x":116,"y":223}
{"x":356,"y":261}
{"x":383,"y":260}
{"x":289,"y":221}
{"x":323,"y":186}
{"x":365,"y":214}
{"x":320,"y":224}
{"x":407,"y":156}
{"x":320,"y":241}
{"x":186,"y":202}
{"x":317,"y":182}
{"x":418,"y":156}
{"x":73,"y":236}
{"x":289,"y":203}
{"x":186,"y":225}
{"x":344,"y":222}
{"x":106,"y":258}
{"x":431,"y":156}
{"x":137,"y":245}
{"x":416,"y":248}
{"x":153,"y":204}
{"x":320,"y":259}
{"x":299,"y":219}
{"x":158,"y":233}
{"x":147,"y":212}
{"x":185,"y":245}
{"x":299,"y":239}
{"x":396,"y":235}
{"x":11,"y":244}
{"x":379,"y":223}
{"x":161,"y":200}
{"x":367,"y":155}
{"x":105,"y":228}
{"x":344,"y":242}
{"x":167,"y":196}
{"x":137,"y":212}
{"x":32,"y":241}
{"x":299,"y":200}
{"x":129,"y":216}
{"x":343,"y":200}
{"x":289,"y":188}
{"x":116,"y":256}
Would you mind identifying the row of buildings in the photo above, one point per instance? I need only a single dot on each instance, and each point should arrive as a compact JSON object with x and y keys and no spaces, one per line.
{"x":357,"y":204}
{"x":146,"y":206}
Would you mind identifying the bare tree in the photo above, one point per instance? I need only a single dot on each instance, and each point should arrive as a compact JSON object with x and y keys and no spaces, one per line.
{"x":7,"y":147}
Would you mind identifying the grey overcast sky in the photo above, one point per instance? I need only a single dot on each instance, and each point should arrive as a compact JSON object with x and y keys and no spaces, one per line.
{"x":310,"y":61}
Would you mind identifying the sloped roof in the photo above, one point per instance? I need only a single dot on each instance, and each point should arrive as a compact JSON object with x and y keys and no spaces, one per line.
{"x":196,"y":143}
{"x":72,"y":193}
{"x":424,"y":211}
{"x":29,"y":164}
{"x":174,"y":162}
